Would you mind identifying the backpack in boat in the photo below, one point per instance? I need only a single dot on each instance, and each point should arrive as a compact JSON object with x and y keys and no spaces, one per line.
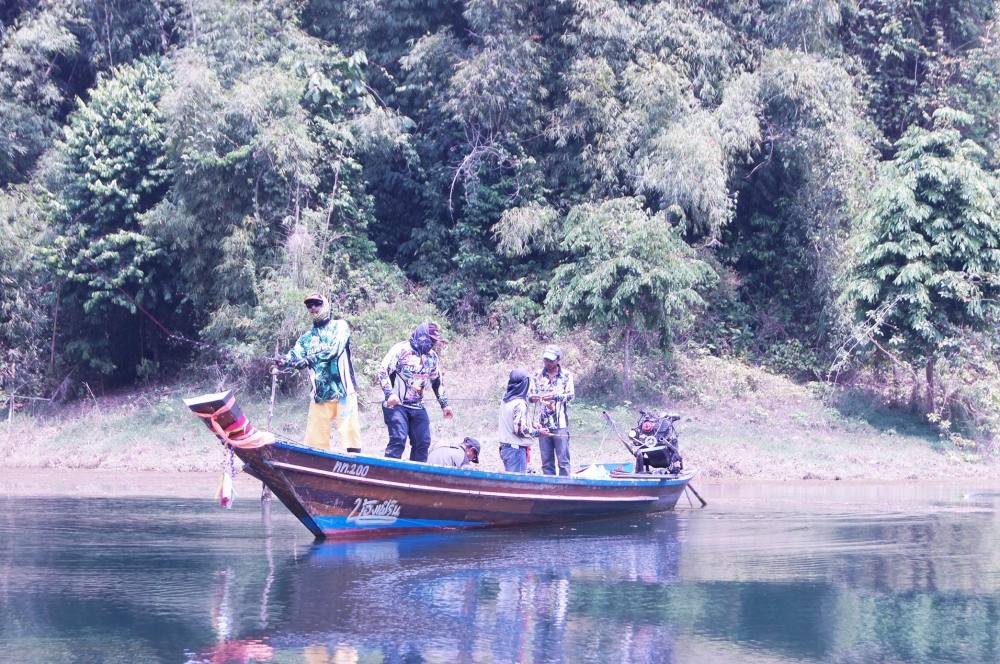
{"x":655,"y":444}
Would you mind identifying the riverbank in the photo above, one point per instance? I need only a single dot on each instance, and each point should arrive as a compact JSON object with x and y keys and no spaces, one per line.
{"x":97,"y":483}
{"x":738,"y":422}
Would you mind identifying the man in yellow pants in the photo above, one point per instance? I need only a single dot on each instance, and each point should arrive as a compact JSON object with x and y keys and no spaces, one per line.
{"x":326,"y":350}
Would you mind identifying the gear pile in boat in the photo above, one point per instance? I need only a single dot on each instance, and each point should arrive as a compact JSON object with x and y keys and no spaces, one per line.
{"x":653,"y":441}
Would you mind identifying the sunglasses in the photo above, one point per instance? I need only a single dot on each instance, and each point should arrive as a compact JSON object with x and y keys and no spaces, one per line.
{"x":314,"y":305}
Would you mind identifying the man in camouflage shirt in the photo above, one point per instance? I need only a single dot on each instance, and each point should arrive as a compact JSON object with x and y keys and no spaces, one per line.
{"x":407,"y":370}
{"x":326,"y":350}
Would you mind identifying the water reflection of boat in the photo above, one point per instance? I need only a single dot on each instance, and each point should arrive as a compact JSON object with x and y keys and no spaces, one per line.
{"x":350,"y":495}
{"x":523,"y":596}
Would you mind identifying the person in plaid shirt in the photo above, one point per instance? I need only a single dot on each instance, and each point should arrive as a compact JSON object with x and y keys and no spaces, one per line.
{"x":552,"y":389}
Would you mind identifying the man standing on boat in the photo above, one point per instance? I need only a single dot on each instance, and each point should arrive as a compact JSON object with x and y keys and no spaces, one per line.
{"x":553,"y":390}
{"x":326,"y":350}
{"x":516,"y":432}
{"x":455,"y":456}
{"x":407,"y":370}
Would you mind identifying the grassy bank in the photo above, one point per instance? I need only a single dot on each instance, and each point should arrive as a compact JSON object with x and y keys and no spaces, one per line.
{"x":738,"y":422}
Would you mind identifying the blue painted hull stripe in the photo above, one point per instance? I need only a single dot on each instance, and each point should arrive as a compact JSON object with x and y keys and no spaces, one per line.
{"x":341,"y":523}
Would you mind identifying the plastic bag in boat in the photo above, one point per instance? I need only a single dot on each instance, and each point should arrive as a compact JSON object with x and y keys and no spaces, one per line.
{"x":593,"y":472}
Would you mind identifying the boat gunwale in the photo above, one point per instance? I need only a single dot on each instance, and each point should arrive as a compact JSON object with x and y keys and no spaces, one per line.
{"x":467,"y":491}
{"x":478,"y":475}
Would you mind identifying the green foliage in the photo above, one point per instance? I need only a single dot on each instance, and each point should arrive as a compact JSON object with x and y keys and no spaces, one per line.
{"x":24,"y":291}
{"x":51,"y":52}
{"x":282,"y":130}
{"x":916,"y":55}
{"x":793,"y":358}
{"x":629,"y":269}
{"x":32,"y":98}
{"x":926,"y":254}
{"x":798,"y":196}
{"x":112,"y":168}
{"x":507,"y":311}
{"x":970,"y":394}
{"x":628,"y":272}
{"x":524,"y":163}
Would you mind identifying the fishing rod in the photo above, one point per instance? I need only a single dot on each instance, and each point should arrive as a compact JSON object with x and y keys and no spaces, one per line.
{"x":265,"y":492}
{"x":614,"y":429}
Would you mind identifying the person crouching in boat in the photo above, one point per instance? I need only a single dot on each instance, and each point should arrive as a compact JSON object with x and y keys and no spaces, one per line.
{"x":326,"y":350}
{"x":455,"y":456}
{"x":407,"y":370}
{"x":516,"y":433}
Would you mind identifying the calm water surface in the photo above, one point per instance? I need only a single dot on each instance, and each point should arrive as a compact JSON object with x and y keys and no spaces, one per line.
{"x":768,"y":573}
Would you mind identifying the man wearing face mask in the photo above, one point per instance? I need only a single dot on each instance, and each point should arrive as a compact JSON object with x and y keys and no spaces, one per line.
{"x":326,"y":351}
{"x":407,"y":370}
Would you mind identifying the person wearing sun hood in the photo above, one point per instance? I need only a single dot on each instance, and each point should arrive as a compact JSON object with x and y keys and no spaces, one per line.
{"x":516,"y":432}
{"x":405,"y":373}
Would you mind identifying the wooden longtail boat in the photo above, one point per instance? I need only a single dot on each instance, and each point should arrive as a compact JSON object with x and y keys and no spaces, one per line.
{"x":341,"y":495}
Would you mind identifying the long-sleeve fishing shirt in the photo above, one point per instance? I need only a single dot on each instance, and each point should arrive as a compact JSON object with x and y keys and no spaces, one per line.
{"x":553,"y":414}
{"x":407,"y":374}
{"x":515,"y":428}
{"x":327,"y":349}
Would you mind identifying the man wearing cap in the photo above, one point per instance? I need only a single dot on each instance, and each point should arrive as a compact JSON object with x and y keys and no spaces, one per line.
{"x":326,"y":350}
{"x":406,"y":371}
{"x":455,"y":456}
{"x":552,"y":388}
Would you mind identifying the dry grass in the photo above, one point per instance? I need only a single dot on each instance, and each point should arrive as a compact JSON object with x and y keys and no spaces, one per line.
{"x":738,"y":422}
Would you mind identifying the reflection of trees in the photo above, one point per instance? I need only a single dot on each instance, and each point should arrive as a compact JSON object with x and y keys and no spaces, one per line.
{"x":884,"y":553}
{"x":916,"y":627}
{"x":604,"y":594}
{"x":800,"y":586}
{"x":915,"y":586}
{"x":121,"y":580}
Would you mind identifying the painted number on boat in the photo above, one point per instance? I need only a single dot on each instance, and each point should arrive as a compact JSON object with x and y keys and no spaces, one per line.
{"x":355,"y":469}
{"x":371,"y":512}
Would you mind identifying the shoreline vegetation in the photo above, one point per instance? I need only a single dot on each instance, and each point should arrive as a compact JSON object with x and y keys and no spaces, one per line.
{"x":780,"y":221}
{"x":738,"y":423}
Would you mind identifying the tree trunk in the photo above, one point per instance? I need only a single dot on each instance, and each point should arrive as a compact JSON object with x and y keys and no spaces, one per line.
{"x":930,"y":383}
{"x":627,"y":376}
{"x":915,"y":395}
{"x":55,"y":330}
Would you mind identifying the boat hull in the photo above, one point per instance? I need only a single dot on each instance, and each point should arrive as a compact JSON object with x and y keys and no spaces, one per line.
{"x":343,"y":496}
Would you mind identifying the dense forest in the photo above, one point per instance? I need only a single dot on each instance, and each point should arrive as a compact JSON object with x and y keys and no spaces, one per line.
{"x":808,"y":185}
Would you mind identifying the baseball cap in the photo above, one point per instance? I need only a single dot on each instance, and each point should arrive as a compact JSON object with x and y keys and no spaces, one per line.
{"x":434,"y":332}
{"x":473,"y":444}
{"x":552,"y":353}
{"x":314,"y":297}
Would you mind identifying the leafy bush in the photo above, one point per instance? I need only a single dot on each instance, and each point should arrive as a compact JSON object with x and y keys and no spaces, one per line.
{"x":793,"y":358}
{"x":377,"y":328}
